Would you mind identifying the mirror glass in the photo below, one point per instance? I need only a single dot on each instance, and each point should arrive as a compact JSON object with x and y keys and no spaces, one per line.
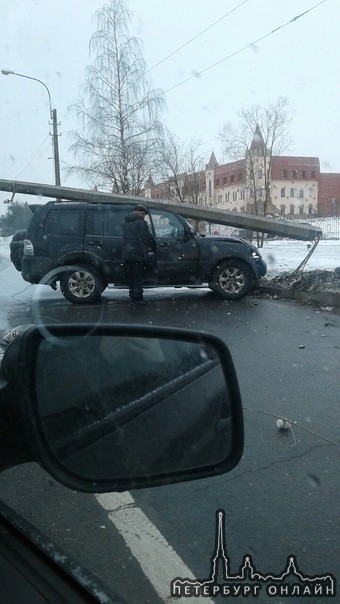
{"x":116,"y":407}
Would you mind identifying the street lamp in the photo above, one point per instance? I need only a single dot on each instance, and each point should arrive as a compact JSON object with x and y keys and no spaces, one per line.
{"x":53,"y":115}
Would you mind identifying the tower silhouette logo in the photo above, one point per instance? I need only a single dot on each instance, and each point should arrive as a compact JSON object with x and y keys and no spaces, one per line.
{"x":249,"y":581}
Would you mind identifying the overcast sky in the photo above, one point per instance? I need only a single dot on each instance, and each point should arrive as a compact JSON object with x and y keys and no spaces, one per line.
{"x":49,"y":39}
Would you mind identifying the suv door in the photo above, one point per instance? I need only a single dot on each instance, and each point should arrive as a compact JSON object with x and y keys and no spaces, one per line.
{"x":58,"y":233}
{"x":177,"y":249}
{"x":103,"y":238}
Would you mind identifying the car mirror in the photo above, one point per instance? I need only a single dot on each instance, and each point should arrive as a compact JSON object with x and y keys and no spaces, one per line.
{"x":117,"y":407}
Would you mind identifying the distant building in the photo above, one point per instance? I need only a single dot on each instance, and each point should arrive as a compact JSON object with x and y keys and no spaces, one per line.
{"x":287,"y":186}
{"x":329,"y":195}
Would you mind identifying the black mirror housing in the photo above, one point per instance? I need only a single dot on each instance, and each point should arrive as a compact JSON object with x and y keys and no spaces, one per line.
{"x":115,"y":407}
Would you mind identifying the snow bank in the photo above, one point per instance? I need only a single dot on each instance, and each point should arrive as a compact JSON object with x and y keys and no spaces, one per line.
{"x":286,"y":255}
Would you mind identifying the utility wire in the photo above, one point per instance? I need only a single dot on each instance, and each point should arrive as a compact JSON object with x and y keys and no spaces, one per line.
{"x":248,"y":45}
{"x":32,"y":157}
{"x":191,"y":40}
{"x":197,"y":36}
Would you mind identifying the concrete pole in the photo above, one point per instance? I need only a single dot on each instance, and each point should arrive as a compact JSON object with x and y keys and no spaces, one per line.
{"x":55,"y":147}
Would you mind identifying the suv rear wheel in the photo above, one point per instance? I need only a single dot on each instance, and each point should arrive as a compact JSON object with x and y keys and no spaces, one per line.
{"x":232,"y":279}
{"x":81,"y":286}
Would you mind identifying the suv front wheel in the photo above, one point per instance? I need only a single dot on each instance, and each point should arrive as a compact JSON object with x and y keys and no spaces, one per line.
{"x":81,"y":286}
{"x":231,"y":279}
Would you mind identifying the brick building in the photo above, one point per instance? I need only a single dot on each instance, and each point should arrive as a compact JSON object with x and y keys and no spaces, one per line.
{"x":329,"y":195}
{"x":286,"y":186}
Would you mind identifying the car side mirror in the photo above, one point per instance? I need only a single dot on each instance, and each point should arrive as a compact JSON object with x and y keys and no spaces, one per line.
{"x":110,"y":408}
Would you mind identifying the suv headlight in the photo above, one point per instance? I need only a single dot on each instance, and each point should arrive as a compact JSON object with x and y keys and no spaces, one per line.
{"x":256,"y":255}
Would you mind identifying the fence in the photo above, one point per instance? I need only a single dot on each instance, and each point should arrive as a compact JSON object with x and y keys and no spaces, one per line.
{"x":330,"y":228}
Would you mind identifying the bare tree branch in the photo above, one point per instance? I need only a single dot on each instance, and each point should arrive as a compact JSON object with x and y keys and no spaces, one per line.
{"x":181,"y":167}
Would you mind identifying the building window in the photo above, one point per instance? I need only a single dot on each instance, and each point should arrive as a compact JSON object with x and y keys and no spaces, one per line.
{"x":232,"y":178}
{"x":239,"y":177}
{"x":312,"y":174}
{"x":310,"y":192}
{"x":293,"y":173}
{"x":292,"y":210}
{"x":301,"y":210}
{"x":209,"y":188}
{"x":283,"y":173}
{"x":283,"y":210}
{"x":291,"y":192}
{"x":242,"y":194}
{"x":259,"y":174}
{"x":217,"y":182}
{"x":303,"y":173}
{"x":226,"y":197}
{"x":301,"y":194}
{"x":310,"y":210}
{"x":234,"y":196}
{"x":224,"y":180}
{"x":283,"y":191}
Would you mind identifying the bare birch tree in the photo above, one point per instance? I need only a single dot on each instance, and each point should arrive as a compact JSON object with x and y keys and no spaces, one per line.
{"x":119,"y":111}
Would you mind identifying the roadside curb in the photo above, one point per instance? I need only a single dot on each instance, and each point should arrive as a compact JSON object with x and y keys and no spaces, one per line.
{"x":316,"y":298}
{"x":317,"y":287}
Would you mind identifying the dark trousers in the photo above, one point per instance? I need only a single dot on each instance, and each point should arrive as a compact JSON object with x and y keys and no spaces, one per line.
{"x":135,"y":276}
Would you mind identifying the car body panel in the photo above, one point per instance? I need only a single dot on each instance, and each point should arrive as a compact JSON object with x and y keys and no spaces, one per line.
{"x":89,"y":234}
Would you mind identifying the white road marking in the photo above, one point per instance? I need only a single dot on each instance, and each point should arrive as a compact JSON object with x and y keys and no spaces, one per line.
{"x":157,"y":558}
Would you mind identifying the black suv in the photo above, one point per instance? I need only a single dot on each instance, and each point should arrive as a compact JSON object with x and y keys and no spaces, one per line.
{"x":79,"y":244}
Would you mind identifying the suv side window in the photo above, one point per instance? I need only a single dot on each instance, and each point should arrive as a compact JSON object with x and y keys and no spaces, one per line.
{"x":167,"y":225}
{"x":94,"y":222}
{"x":66,"y":222}
{"x":107,"y":221}
{"x":114,"y":222}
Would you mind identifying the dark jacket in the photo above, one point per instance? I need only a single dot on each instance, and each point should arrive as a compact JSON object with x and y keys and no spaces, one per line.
{"x":137,"y":239}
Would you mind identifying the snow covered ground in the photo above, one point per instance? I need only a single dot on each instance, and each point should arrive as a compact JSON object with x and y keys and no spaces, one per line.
{"x":286,"y":255}
{"x":4,"y":247}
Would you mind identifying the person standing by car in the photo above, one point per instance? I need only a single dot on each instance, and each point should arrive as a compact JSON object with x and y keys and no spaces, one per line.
{"x":137,"y":243}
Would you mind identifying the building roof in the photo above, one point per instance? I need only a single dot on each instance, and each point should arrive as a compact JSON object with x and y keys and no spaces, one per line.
{"x":212,"y":164}
{"x":299,"y":164}
{"x":257,"y":144}
{"x":234,"y":166}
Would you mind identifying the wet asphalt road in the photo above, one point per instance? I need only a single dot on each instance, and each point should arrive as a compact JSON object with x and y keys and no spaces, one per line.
{"x":282,"y":499}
